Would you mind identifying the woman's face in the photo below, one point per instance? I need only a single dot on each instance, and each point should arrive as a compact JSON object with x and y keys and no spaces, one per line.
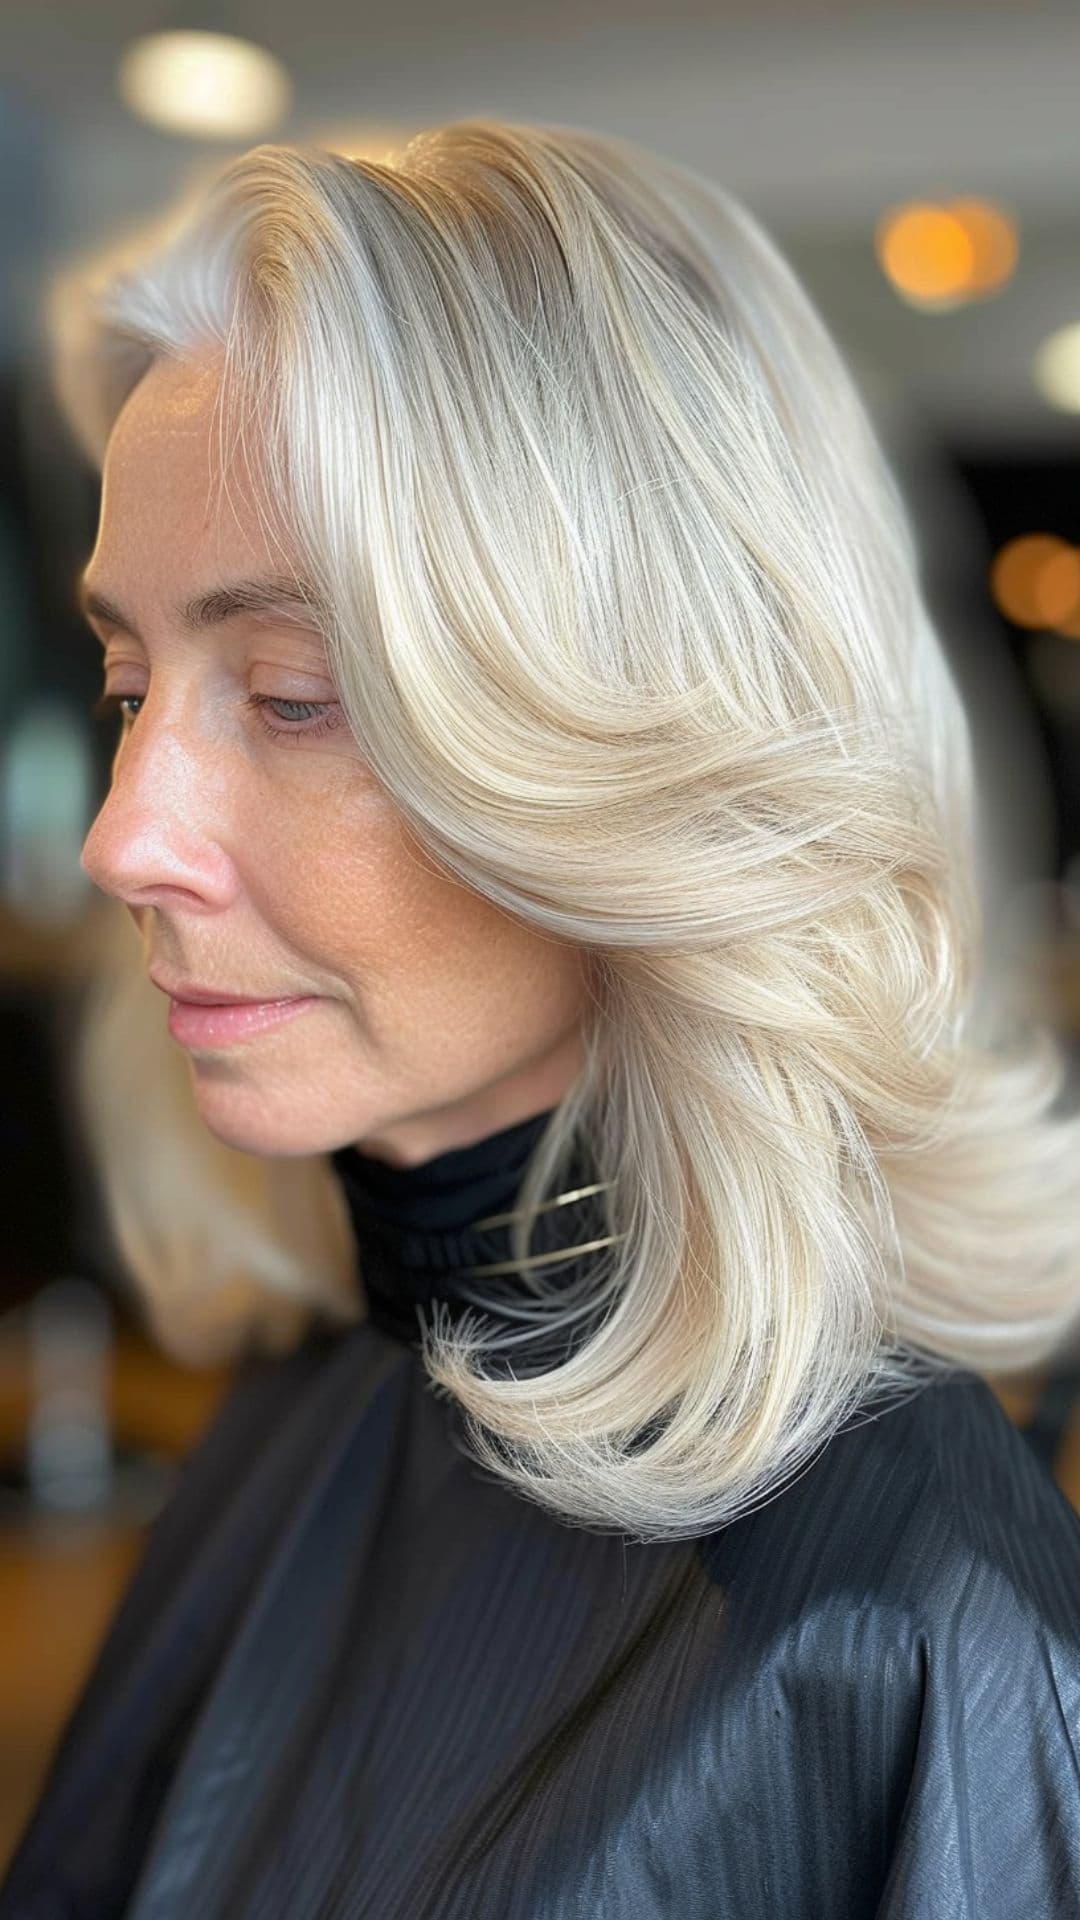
{"x":276,"y":867}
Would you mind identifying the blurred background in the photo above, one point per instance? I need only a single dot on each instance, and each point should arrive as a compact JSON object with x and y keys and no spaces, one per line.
{"x":920,"y":166}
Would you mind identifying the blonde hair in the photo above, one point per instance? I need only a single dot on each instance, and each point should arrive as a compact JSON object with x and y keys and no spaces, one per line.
{"x":624,"y":609}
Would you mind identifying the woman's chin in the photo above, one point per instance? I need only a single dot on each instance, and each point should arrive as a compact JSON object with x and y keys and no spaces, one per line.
{"x":275,"y":1123}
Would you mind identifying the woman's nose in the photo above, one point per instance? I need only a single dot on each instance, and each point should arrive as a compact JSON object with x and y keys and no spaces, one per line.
{"x":156,"y":832}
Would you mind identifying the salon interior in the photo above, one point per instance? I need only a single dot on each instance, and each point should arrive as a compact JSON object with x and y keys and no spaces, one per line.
{"x":919,"y":164}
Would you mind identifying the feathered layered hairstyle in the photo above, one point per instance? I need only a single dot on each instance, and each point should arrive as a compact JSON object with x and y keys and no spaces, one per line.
{"x":625,"y":612}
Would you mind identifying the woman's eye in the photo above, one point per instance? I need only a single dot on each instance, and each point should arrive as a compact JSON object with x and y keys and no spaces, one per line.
{"x":299,"y":713}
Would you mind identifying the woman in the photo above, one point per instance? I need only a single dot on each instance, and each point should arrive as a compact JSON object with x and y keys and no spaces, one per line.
{"x":625,"y":1176}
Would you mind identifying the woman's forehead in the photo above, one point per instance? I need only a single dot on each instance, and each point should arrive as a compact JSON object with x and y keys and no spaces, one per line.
{"x":174,"y":484}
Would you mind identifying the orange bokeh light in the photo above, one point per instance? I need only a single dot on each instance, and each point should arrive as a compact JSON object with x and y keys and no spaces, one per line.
{"x":1035,"y":581}
{"x":994,"y":239}
{"x":942,"y":253}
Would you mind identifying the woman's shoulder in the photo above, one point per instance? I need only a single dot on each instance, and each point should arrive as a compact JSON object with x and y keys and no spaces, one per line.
{"x":970,"y":1485}
{"x":898,"y":1651}
{"x":921,"y":1504}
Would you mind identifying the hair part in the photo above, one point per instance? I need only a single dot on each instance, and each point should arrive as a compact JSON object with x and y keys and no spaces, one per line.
{"x":624,"y":608}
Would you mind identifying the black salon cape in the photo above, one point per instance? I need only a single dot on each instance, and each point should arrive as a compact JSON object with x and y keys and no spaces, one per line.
{"x":355,"y":1676}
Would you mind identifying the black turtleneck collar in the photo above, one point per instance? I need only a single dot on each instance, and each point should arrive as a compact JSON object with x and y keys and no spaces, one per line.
{"x":417,"y":1232}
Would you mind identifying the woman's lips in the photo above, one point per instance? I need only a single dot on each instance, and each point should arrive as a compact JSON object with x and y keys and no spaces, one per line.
{"x":195,"y":1024}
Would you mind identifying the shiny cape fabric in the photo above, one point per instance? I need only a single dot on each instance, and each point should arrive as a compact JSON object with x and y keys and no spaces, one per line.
{"x":354,"y":1676}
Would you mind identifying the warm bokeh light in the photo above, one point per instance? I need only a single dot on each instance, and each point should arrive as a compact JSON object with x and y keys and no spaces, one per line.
{"x":941,"y":254}
{"x":210,"y":86}
{"x":1056,"y":368}
{"x":926,"y":252}
{"x":1057,"y":587}
{"x":1035,"y":582}
{"x":994,"y":240}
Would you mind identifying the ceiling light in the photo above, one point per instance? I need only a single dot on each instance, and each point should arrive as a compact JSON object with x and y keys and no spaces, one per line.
{"x":1056,"y":368}
{"x":210,"y":86}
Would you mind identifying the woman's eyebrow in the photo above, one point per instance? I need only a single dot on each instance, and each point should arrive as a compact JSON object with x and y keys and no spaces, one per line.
{"x":279,"y":594}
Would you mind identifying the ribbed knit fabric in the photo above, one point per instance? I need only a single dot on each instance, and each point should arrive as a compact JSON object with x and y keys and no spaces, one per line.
{"x":418,"y":1236}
